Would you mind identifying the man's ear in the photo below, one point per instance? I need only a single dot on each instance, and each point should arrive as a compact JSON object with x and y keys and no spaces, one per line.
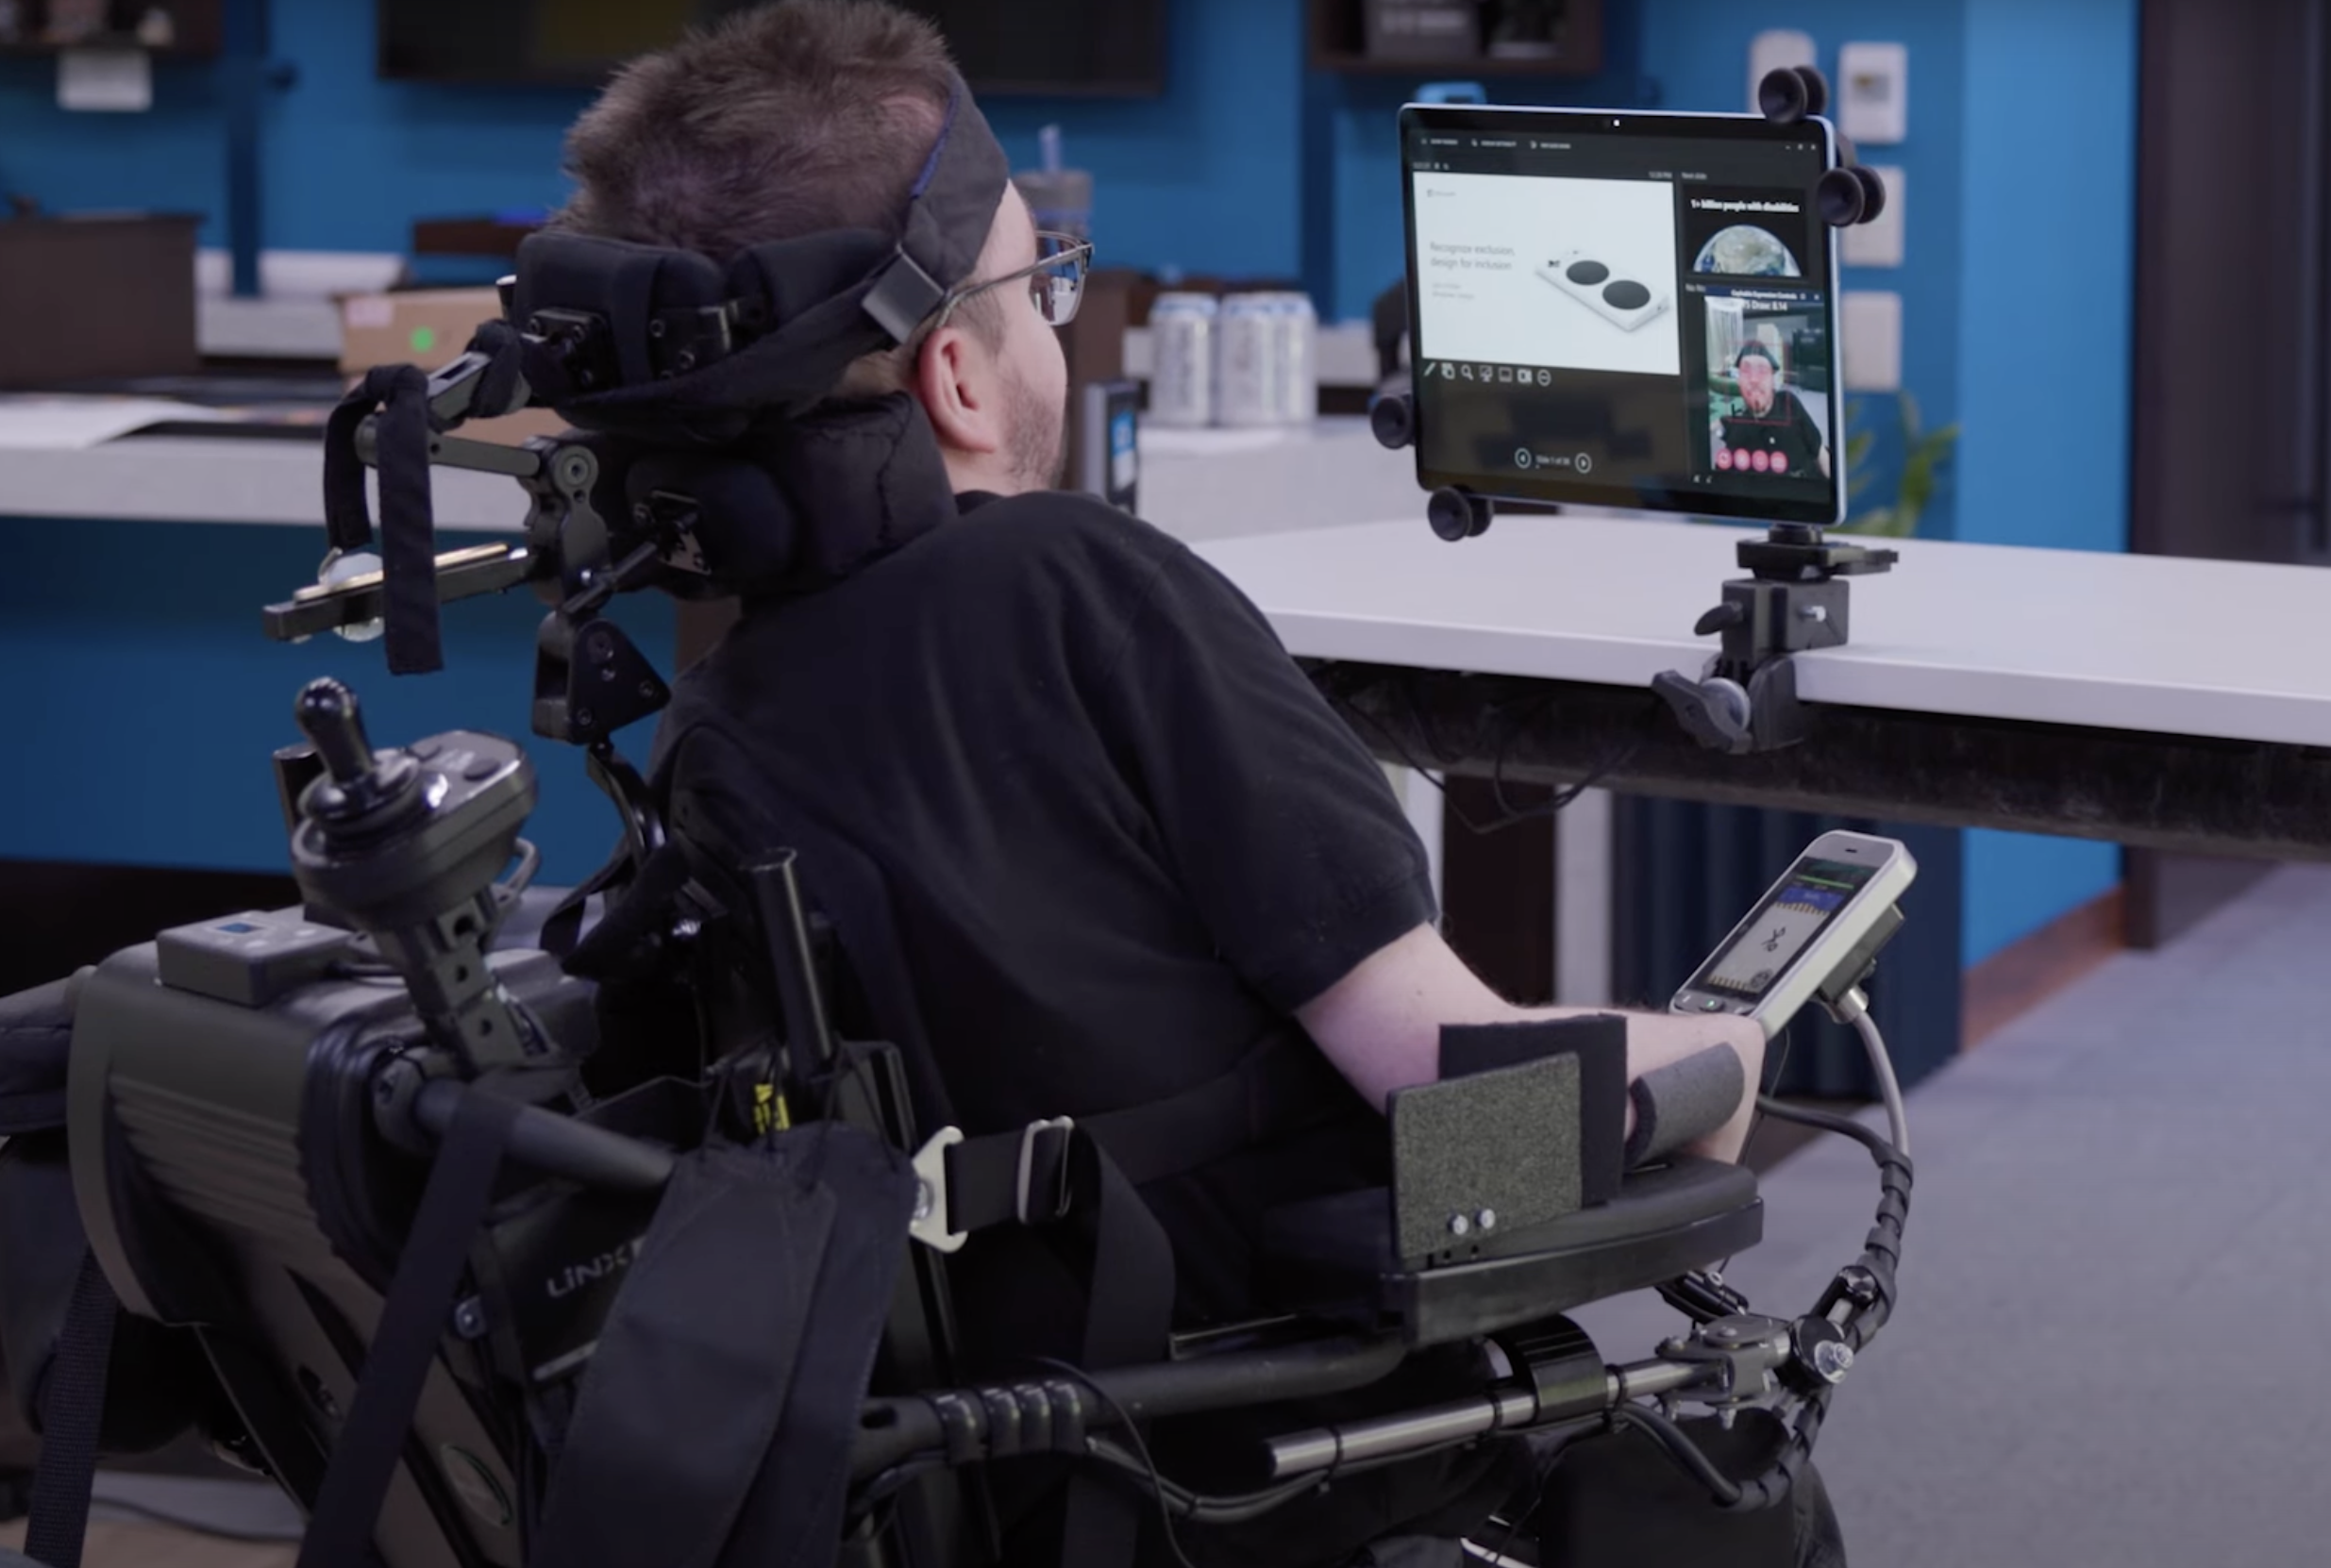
{"x":958,"y":392}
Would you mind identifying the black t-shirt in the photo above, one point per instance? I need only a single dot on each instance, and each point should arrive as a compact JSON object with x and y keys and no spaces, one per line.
{"x":1123,"y":835}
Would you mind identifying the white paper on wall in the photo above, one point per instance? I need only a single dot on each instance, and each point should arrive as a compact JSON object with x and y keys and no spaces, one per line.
{"x":1776,"y":50}
{"x":1873,"y":93}
{"x":105,"y":81}
{"x":1871,"y":320}
{"x":1878,"y":242}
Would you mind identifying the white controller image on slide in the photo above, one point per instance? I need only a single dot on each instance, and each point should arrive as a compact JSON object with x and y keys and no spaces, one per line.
{"x":1622,"y":301}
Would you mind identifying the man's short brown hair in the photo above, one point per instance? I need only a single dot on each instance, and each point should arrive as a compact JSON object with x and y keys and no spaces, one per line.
{"x":770,"y":124}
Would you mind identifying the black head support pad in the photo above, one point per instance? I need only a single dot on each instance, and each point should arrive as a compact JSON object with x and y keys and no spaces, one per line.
{"x":814,"y":501}
{"x":671,"y":347}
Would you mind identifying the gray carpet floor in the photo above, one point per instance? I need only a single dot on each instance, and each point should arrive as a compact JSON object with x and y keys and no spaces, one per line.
{"x":2112,"y":1344}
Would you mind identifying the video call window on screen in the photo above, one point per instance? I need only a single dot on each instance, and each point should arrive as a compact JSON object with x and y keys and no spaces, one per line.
{"x":1767,"y":387}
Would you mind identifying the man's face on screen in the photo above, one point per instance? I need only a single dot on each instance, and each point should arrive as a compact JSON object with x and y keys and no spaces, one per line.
{"x":1756,"y":378}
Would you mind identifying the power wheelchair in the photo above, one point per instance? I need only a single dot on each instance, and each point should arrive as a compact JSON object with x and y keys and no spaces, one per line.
{"x":261,"y":1111}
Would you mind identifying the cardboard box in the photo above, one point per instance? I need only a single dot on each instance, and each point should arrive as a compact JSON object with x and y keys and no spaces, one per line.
{"x":430,"y":327}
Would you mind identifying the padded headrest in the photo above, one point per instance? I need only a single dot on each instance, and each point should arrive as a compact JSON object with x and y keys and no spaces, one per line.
{"x":795,"y":506}
{"x":746,"y":532}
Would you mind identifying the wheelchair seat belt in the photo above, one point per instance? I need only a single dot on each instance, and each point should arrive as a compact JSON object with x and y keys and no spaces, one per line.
{"x":1022,"y":1176}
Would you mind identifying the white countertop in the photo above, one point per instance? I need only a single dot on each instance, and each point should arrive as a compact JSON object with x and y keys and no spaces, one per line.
{"x":1196,"y":485}
{"x":232,"y":479}
{"x":2153,"y":644}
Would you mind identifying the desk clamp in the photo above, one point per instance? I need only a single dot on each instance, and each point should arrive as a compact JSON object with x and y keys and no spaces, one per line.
{"x":1793,"y":599}
{"x":1746,"y":698}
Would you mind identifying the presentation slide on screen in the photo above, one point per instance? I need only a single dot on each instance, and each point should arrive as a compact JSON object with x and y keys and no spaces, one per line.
{"x":1749,"y":233}
{"x":1573,"y":274}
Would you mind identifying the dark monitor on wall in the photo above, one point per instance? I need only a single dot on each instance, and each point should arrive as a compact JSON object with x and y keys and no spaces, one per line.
{"x":1068,"y":47}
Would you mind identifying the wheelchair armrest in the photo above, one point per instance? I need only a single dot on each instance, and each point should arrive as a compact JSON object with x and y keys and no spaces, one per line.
{"x":1334,"y":1256}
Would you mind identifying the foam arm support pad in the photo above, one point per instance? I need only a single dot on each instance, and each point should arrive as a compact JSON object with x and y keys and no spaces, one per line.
{"x":1683,"y":1101}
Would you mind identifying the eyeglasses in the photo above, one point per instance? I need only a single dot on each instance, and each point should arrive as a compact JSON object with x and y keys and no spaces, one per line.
{"x":1055,"y":282}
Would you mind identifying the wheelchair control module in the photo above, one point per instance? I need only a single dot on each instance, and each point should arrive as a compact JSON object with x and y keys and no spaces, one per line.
{"x":1815,"y":934}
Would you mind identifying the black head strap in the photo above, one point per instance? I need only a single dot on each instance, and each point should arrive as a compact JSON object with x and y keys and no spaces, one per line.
{"x":775,"y":329}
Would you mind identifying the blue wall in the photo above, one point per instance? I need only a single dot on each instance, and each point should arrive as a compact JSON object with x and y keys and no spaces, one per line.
{"x":1200,"y":178}
{"x":2044,"y":349}
{"x":156,"y":750}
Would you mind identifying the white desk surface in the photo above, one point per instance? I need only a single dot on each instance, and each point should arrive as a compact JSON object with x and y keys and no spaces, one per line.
{"x":2221,"y":649}
{"x":231,"y":479}
{"x":1196,"y":486}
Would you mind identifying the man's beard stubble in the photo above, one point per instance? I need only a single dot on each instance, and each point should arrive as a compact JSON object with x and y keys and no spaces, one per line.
{"x":1038,"y":443}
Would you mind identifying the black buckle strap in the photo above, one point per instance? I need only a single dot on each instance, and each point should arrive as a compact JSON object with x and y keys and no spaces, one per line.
{"x":1022,"y":1176}
{"x":1012,"y":1177}
{"x":903,"y":296}
{"x":1043,"y":1146}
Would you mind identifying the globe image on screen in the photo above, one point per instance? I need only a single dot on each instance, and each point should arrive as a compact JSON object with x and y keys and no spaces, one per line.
{"x":1745,"y":251}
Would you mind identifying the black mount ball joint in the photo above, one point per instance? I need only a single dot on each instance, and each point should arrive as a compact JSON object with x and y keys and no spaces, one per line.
{"x":1792,"y":599}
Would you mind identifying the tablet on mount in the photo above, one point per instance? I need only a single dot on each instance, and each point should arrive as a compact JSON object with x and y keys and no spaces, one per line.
{"x":1639,"y":311}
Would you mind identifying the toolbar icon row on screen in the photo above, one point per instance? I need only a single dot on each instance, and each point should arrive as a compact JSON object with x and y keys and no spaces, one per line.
{"x":1450,"y":370}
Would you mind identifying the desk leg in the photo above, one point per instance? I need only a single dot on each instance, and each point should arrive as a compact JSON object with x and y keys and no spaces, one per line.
{"x":1583,"y":869}
{"x":2170,"y":895}
{"x":1498,"y":888}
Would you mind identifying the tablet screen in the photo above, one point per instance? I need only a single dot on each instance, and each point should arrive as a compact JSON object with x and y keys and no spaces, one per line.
{"x":1632,"y":310}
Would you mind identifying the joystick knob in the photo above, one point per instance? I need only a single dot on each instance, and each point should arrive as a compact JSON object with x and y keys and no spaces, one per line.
{"x":327,"y":715}
{"x":358,"y":781}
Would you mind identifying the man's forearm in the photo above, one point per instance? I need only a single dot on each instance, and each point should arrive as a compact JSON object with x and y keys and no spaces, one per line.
{"x":1381,"y":1025}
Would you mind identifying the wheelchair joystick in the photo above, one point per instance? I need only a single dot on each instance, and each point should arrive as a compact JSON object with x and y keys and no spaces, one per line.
{"x":406,"y":846}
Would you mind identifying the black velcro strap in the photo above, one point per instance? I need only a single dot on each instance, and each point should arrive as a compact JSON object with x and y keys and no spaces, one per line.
{"x":400,"y":396}
{"x":347,"y":516}
{"x":71,"y":1412}
{"x":412,"y":1323}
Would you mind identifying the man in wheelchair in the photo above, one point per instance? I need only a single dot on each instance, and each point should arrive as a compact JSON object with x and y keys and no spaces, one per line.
{"x":1242,"y":1212}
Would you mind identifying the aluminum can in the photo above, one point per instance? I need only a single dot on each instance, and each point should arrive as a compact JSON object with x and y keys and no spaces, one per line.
{"x":1183,"y":345}
{"x":1299,"y":355}
{"x":1250,"y":387}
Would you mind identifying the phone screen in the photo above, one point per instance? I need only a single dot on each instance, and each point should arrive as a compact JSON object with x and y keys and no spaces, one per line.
{"x":1811,"y":896}
{"x":1629,"y":311}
